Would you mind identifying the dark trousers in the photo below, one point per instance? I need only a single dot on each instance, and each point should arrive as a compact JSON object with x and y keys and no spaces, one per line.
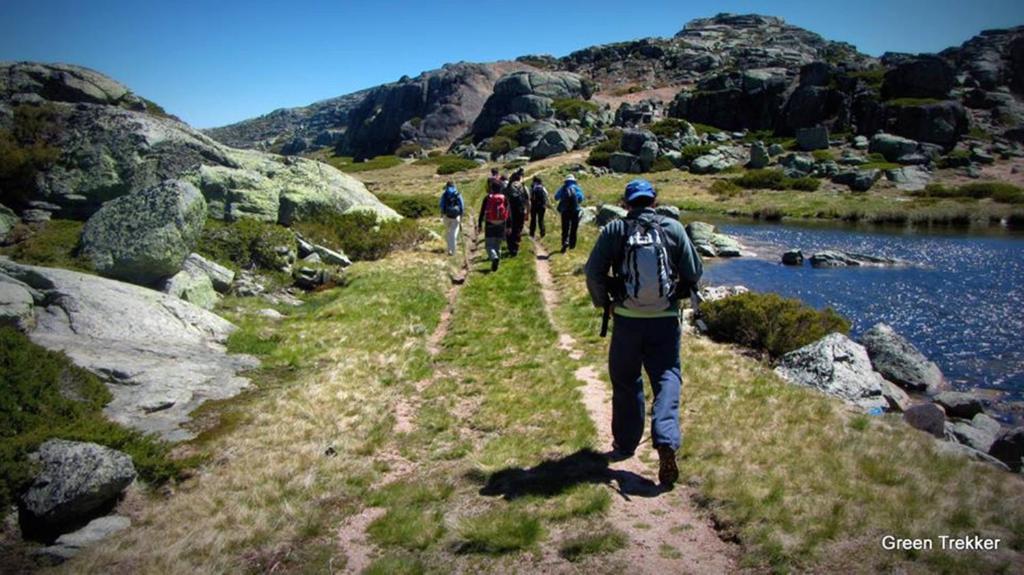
{"x":654,"y":345}
{"x":537,"y":220}
{"x":514,"y":235}
{"x":570,"y":223}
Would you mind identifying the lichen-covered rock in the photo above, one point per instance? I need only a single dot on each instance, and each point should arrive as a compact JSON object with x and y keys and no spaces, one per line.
{"x":900,"y":362}
{"x":192,"y":286}
{"x":7,"y":221}
{"x":145,"y":236}
{"x":163,"y":357}
{"x":608,"y":213}
{"x":838,"y":366}
{"x":16,"y":304}
{"x":524,"y":94}
{"x":76,"y":482}
{"x":891,"y":146}
{"x":960,"y":404}
{"x":758,"y":156}
{"x":220,"y":276}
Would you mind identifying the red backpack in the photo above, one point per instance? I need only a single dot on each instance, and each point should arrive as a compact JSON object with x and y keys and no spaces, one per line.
{"x":496,"y":209}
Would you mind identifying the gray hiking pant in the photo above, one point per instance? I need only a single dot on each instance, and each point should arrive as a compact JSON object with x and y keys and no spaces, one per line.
{"x":494,"y":234}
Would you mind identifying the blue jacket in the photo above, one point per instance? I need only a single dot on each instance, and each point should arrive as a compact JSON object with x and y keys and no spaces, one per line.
{"x":458,"y":196}
{"x":562,"y":195}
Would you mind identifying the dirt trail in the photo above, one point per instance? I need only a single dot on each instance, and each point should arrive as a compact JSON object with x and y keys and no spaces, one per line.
{"x":666,"y":530}
{"x":351,"y":535}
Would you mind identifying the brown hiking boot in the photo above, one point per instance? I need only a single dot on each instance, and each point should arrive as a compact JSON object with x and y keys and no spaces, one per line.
{"x":668,"y":472}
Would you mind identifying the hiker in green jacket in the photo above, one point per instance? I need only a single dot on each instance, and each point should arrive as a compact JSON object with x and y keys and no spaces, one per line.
{"x":653,"y":264}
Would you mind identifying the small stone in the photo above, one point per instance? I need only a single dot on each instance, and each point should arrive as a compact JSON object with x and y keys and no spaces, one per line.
{"x":927,"y":417}
{"x":793,"y":258}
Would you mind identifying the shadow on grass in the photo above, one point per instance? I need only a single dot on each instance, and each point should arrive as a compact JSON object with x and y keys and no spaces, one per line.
{"x":555,"y":476}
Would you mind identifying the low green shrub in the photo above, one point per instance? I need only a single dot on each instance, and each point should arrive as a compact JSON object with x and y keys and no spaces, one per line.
{"x":596,"y":543}
{"x":25,"y":150}
{"x":512,"y":131}
{"x":454,"y":164}
{"x":360,"y":234}
{"x":600,"y":153}
{"x":413,"y":205}
{"x":409,"y":150}
{"x":694,"y":151}
{"x":662,"y":164}
{"x":724,"y":188}
{"x":823,"y":156}
{"x":669,"y":127}
{"x":45,"y":396}
{"x":499,"y":145}
{"x":873,"y":77}
{"x":997,"y":191}
{"x":246,"y":243}
{"x":52,"y":244}
{"x":599,"y":158}
{"x":573,"y":109}
{"x":911,"y":102}
{"x":762,"y":180}
{"x":705,"y":129}
{"x":377,"y":163}
{"x":768,"y":179}
{"x":769,"y":322}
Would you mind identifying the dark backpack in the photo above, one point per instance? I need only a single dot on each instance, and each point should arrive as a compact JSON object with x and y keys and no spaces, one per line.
{"x":646,"y":274}
{"x":538,"y":196}
{"x":569,"y":199}
{"x":496,"y":208}
{"x":452,"y":209}
{"x":517,"y":197}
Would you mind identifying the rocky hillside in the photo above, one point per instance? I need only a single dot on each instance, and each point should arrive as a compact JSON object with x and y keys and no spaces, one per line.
{"x":74,"y":139}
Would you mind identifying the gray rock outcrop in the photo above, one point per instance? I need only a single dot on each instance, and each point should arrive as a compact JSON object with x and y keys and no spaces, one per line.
{"x":837,"y":366}
{"x":1009,"y":448}
{"x":221,"y":277}
{"x":524,"y":96}
{"x":608,"y":213}
{"x":113,"y":143}
{"x":7,"y":221}
{"x":192,"y":286}
{"x":900,"y":362}
{"x":927,"y":417}
{"x":836,"y":258}
{"x":146,"y":235}
{"x":76,"y":482}
{"x":71,"y":544}
{"x":960,"y":404}
{"x":160,"y":356}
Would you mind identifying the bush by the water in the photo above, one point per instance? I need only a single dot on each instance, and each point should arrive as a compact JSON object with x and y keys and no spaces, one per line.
{"x":997,"y":191}
{"x":411,"y":206}
{"x":247,"y":243}
{"x":360,"y":234}
{"x":775,"y":180}
{"x":45,"y":396}
{"x":769,"y":322}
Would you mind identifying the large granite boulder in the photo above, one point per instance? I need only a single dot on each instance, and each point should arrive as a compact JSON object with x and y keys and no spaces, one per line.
{"x":837,"y":366}
{"x":746,"y":100}
{"x":758,"y":156}
{"x":17,"y":301}
{"x":192,"y":286}
{"x":891,"y":146}
{"x":942,"y":123}
{"x":920,"y":77}
{"x":960,"y":404}
{"x":113,"y":143}
{"x":162,"y":357}
{"x":927,"y":417}
{"x":221,"y":277}
{"x":526,"y":95}
{"x":555,"y":141}
{"x":633,"y":141}
{"x":7,"y":221}
{"x":75,"y":483}
{"x":900,"y":362}
{"x":858,"y":180}
{"x":813,"y":138}
{"x":145,"y":236}
{"x":1009,"y":448}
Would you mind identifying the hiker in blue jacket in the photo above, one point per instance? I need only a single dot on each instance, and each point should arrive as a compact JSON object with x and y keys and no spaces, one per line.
{"x":452,"y":208}
{"x":569,"y":197}
{"x":653,"y":264}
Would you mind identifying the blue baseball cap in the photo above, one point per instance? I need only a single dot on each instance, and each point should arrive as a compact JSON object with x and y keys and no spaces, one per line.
{"x":638,"y":189}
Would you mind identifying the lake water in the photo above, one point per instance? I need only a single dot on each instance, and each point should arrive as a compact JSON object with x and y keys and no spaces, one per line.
{"x":960,"y":301}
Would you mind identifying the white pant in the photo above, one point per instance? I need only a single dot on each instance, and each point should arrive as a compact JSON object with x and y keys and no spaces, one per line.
{"x":452,"y":226}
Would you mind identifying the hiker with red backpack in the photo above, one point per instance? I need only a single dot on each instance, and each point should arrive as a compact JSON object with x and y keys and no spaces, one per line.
{"x":494,"y":213}
{"x":519,"y":209}
{"x":452,"y":208}
{"x":653,"y":265}
{"x":569,"y":198}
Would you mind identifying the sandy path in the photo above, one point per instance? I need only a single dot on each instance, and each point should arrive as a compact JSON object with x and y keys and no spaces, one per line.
{"x":667,"y":532}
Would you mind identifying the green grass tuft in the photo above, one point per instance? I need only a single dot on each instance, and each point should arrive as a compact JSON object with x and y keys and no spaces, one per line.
{"x":500,"y":530}
{"x":608,"y":540}
{"x":51,"y":244}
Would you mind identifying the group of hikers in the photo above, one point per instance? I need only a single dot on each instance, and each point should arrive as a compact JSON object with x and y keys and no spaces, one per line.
{"x":638,"y":270}
{"x":506,"y":207}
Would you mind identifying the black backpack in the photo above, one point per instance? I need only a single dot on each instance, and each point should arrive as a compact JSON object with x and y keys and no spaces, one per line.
{"x":569,"y":199}
{"x":517,"y":198}
{"x":538,"y":196}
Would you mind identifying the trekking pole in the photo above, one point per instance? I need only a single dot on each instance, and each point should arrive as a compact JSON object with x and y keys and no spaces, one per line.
{"x":604,"y":319}
{"x":695,"y":300}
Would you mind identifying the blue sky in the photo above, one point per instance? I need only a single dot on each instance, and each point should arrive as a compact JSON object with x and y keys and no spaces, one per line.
{"x":214,"y":63}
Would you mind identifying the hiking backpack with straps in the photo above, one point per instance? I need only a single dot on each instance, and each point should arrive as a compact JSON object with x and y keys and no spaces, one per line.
{"x":517,"y":197}
{"x":646,"y":275}
{"x":451,"y":204}
{"x":570,"y":201}
{"x":496,"y":209}
{"x":538,"y":196}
